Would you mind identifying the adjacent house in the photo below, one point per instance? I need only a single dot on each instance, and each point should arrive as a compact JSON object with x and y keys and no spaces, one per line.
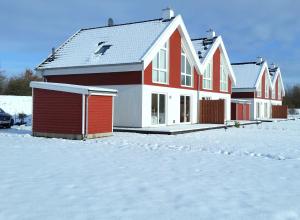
{"x":159,"y":75}
{"x":277,"y":84}
{"x":255,"y":85}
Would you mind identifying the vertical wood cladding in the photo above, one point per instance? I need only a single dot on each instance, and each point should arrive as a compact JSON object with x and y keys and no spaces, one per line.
{"x":100,"y":114}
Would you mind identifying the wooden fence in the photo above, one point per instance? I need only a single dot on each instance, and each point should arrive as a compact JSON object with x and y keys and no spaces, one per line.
{"x":279,"y":111}
{"x":212,"y":111}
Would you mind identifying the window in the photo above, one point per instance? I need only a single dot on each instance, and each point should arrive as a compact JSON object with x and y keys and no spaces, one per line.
{"x":102,"y":49}
{"x":273,"y":93}
{"x":158,"y":109}
{"x":266,"y":86}
{"x":266,"y":110}
{"x":223,"y":77}
{"x":207,"y":77}
{"x":185,"y":109}
{"x":259,"y":90}
{"x":186,"y":70}
{"x":159,"y":66}
{"x":279,"y":90}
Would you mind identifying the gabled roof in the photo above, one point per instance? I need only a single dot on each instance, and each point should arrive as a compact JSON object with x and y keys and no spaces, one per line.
{"x":274,"y":76}
{"x":128,"y":43}
{"x":248,"y":74}
{"x":131,"y":46}
{"x":206,"y":51}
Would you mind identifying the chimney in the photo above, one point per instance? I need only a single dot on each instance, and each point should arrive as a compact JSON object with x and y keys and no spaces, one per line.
{"x":273,"y":66}
{"x":53,"y":52}
{"x":259,"y":60}
{"x":211,"y":33}
{"x":168,"y":13}
{"x":110,"y":22}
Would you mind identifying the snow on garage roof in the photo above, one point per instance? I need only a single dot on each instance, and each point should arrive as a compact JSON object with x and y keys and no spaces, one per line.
{"x":125,"y":43}
{"x":62,"y":87}
{"x":246,"y":74}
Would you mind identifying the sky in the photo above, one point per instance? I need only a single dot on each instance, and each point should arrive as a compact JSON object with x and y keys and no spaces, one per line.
{"x":266,"y":28}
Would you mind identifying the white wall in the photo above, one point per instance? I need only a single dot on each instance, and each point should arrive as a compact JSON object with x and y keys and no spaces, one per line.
{"x":172,"y":104}
{"x":127,"y":105}
{"x":217,"y":96}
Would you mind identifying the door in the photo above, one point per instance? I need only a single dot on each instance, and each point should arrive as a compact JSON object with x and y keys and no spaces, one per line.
{"x":185,"y":109}
{"x":158,"y":109}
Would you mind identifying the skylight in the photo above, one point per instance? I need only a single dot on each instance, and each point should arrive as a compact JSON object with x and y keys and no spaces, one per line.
{"x":102,"y":49}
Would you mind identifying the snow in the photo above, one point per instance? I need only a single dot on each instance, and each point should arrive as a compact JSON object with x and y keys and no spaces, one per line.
{"x":16,"y":104}
{"x":80,"y":49}
{"x":238,"y":173}
{"x":246,"y":75}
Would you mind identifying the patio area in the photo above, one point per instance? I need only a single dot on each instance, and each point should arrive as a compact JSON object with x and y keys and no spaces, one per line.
{"x":183,"y":128}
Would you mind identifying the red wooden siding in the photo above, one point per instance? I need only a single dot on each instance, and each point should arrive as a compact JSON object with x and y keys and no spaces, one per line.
{"x":279,"y":111}
{"x":120,"y":78}
{"x":242,"y":95}
{"x":276,"y":89}
{"x":212,"y":111}
{"x":57,"y":112}
{"x":240,"y":111}
{"x":174,"y":66}
{"x":100,"y":114}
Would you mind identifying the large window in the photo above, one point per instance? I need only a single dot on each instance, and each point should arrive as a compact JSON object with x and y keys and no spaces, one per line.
{"x":273,"y":93}
{"x":207,"y":77}
{"x":223,"y":77}
{"x":186,"y":70}
{"x":259,"y":90}
{"x":266,"y":86}
{"x":160,"y":66}
{"x":158,"y":109}
{"x":185,"y":109}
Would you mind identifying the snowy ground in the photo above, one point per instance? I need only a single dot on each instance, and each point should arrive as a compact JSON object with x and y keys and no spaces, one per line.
{"x":242,"y":173}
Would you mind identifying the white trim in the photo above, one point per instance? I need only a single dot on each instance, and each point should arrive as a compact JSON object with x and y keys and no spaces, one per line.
{"x":73,"y":88}
{"x":159,"y":69}
{"x":90,"y":69}
{"x":186,"y":60}
{"x":219,"y":44}
{"x":242,"y":101}
{"x":83,"y":116}
{"x":87,"y":116}
{"x":177,"y":22}
{"x":277,"y":74}
{"x":243,"y":90}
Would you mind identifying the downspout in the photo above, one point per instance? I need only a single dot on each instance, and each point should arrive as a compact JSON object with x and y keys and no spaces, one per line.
{"x":86,"y":116}
{"x":198,"y":99}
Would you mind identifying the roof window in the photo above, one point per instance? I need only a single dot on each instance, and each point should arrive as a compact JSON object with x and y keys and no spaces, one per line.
{"x":102,"y":48}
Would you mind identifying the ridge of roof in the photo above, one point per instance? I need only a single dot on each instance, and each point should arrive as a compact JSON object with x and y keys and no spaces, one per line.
{"x":128,"y":23}
{"x":245,"y":63}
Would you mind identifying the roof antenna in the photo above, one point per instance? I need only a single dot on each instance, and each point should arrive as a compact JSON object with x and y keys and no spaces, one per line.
{"x":211,"y":33}
{"x":259,"y":60}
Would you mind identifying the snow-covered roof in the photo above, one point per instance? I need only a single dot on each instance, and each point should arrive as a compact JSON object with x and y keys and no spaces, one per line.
{"x":202,"y":47}
{"x":62,"y":87}
{"x":129,"y":42}
{"x":246,"y":74}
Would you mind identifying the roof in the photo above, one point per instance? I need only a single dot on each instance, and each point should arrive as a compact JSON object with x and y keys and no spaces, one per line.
{"x":202,"y":46}
{"x":205,"y":49}
{"x":276,"y":72}
{"x":246,"y":74}
{"x":128,"y":43}
{"x":62,"y":87}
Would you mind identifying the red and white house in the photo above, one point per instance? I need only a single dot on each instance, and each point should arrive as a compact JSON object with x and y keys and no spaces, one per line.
{"x":159,"y":75}
{"x":277,"y":84}
{"x":254,"y":84}
{"x":71,"y":111}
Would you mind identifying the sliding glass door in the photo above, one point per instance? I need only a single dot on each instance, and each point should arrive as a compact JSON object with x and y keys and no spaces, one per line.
{"x":158,"y":109}
{"x":185,"y":115}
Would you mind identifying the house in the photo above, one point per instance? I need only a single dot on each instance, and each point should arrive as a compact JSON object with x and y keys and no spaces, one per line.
{"x":218,"y":76}
{"x":277,"y":83}
{"x":254,"y":84}
{"x":71,"y":111}
{"x":153,"y":64}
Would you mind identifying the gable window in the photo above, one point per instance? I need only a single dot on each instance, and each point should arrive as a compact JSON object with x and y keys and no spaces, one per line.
{"x":207,"y":77}
{"x":186,"y":70}
{"x":266,"y":86}
{"x":223,"y":77}
{"x":279,"y":90}
{"x":159,"y":66}
{"x":259,"y":90}
{"x":273,"y":93}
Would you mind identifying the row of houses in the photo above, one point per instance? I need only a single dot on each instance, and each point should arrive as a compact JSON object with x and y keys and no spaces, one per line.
{"x":163,"y":76}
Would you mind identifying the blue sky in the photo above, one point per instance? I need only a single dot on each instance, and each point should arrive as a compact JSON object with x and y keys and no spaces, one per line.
{"x":267,"y":28}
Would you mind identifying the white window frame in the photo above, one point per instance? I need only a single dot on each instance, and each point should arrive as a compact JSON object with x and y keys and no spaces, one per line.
{"x":266,"y":86}
{"x":207,"y":82}
{"x":159,"y":69}
{"x":279,"y":90}
{"x":258,"y":92}
{"x":223,"y":77}
{"x":184,"y":74}
{"x":273,"y":93}
{"x":158,"y":107}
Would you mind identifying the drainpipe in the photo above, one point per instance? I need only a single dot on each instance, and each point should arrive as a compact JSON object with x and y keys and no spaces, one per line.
{"x":86,"y":117}
{"x":198,"y":100}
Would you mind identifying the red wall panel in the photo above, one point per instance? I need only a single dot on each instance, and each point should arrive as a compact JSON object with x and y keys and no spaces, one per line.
{"x":121,"y":78}
{"x":100,"y":114}
{"x":233,"y":111}
{"x":247,"y":106}
{"x":216,"y":71}
{"x":242,"y":95}
{"x":240,"y":111}
{"x":56,"y":112}
{"x":174,"y":66}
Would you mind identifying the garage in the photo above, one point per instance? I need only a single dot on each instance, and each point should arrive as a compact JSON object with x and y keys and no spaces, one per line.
{"x":71,"y":111}
{"x":240,"y":109}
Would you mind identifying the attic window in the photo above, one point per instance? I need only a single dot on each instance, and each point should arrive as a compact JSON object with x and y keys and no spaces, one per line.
{"x":102,"y":49}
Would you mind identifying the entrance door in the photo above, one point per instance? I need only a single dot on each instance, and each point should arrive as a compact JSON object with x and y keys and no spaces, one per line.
{"x":158,"y":109}
{"x":185,"y":111}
